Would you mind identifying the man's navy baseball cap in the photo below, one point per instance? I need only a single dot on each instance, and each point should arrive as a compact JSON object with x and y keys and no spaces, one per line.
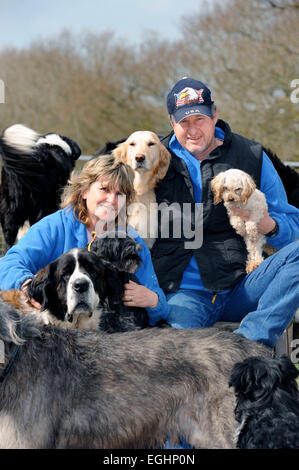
{"x":189,"y":97}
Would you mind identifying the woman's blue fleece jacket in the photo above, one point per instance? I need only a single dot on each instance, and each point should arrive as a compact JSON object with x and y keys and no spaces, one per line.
{"x":54,"y":235}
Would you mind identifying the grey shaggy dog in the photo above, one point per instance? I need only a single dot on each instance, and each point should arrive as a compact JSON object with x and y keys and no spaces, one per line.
{"x":87,"y":389}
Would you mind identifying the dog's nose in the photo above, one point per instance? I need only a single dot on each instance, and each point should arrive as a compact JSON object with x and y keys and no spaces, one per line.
{"x":139,"y":157}
{"x":231,"y":199}
{"x":81,"y":285}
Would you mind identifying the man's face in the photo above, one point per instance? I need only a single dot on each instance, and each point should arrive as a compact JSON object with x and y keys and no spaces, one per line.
{"x":196,"y":134}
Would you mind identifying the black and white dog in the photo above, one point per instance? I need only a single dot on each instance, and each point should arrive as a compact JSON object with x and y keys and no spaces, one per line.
{"x":35,"y":169}
{"x":83,"y":289}
{"x":71,"y":290}
{"x":267,"y":403}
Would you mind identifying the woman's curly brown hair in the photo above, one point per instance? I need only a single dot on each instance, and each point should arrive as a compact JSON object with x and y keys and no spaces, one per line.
{"x":118,"y":175}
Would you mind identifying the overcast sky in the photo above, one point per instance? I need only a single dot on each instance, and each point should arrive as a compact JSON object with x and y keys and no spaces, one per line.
{"x":25,"y":20}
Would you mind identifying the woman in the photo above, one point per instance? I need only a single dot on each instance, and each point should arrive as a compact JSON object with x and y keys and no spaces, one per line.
{"x":93,"y":200}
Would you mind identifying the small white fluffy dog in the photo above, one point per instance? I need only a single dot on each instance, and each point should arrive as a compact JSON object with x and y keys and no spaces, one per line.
{"x":237,"y":189}
{"x":149,"y":159}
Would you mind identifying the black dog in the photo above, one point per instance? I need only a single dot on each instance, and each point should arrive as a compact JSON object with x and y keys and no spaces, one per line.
{"x":119,"y":253}
{"x":267,"y":403}
{"x":35,"y":169}
{"x":288,"y":176}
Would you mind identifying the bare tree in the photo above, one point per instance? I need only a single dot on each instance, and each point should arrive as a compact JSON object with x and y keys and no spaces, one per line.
{"x":97,"y":88}
{"x":247,"y":52}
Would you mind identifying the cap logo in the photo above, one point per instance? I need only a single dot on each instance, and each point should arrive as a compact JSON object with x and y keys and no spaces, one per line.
{"x":188,"y":96}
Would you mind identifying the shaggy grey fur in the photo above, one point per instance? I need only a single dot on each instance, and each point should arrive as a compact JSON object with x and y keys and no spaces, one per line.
{"x":88,"y":389}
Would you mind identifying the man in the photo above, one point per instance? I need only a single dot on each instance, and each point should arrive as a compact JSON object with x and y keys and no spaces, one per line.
{"x":209,"y":283}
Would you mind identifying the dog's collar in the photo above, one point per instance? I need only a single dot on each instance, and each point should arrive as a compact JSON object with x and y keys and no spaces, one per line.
{"x":9,"y":365}
{"x":93,"y":237}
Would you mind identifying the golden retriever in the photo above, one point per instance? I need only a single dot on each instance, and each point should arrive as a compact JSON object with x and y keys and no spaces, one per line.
{"x":149,"y":159}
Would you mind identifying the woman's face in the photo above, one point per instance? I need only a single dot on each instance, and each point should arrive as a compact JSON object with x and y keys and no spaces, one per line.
{"x":102,"y":204}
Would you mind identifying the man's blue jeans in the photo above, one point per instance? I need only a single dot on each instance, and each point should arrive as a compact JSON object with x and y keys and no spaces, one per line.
{"x":264,"y":301}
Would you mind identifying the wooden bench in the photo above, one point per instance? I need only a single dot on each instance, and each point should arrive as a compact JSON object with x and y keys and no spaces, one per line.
{"x":283,"y":345}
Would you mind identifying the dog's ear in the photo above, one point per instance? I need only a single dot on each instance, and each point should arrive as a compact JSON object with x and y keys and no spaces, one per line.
{"x":100,"y":267}
{"x":255,"y":378}
{"x":240,"y":378}
{"x":288,"y":371}
{"x":163,"y":163}
{"x":249,"y":187}
{"x":120,"y":152}
{"x":76,"y":150}
{"x":217,"y":187}
{"x":36,"y":289}
{"x":129,"y":259}
{"x":110,"y":283}
{"x":43,"y":286}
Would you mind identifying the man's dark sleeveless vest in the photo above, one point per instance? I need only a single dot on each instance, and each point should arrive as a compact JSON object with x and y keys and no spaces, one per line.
{"x":222,"y":257}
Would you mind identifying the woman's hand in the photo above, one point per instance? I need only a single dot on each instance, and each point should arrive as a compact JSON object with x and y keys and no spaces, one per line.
{"x":24,"y":289}
{"x":136,"y":295}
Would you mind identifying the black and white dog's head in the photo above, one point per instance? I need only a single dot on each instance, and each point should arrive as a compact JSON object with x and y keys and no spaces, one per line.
{"x":25,"y":152}
{"x":267,"y":402}
{"x":120,"y":254}
{"x":117,"y":249}
{"x":83,"y":289}
{"x":35,"y":170}
{"x":71,"y":288}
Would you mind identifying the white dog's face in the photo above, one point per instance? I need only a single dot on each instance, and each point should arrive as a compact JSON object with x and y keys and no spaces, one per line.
{"x":232,"y":190}
{"x":233,"y":187}
{"x":143,"y":152}
{"x":81,"y":296}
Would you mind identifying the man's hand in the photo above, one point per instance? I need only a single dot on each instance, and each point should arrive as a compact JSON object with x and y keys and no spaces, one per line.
{"x":265,"y":225}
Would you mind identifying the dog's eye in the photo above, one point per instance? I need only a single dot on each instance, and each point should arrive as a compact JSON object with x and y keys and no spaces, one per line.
{"x":132,"y":144}
{"x":88,"y":266}
{"x":67,"y":270}
{"x":151,"y":143}
{"x":65,"y":273}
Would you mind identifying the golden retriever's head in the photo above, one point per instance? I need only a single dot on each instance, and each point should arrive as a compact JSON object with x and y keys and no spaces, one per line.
{"x":233,"y":186}
{"x":143,"y":152}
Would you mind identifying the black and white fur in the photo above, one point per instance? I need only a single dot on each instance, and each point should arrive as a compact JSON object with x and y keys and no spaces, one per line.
{"x":71,"y":290}
{"x":87,"y":389}
{"x":267,"y":403}
{"x":83,"y":289}
{"x":118,"y":249}
{"x":35,"y":169}
{"x":119,"y":252}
